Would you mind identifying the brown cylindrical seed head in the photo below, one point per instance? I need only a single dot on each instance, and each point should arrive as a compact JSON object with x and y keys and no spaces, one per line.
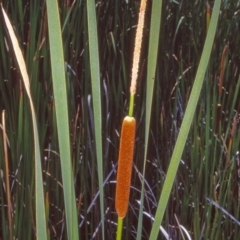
{"x":125,"y":160}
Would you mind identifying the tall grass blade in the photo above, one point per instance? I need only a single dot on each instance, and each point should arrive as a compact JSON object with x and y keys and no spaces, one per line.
{"x":187,"y":120}
{"x":151,"y":70}
{"x":60,"y":98}
{"x":96,"y":96}
{"x":6,"y":160}
{"x":41,"y":232}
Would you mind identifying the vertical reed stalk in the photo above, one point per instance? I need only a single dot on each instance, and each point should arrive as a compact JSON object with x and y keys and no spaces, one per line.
{"x":222,"y":69}
{"x":220,"y":87}
{"x":7,"y":177}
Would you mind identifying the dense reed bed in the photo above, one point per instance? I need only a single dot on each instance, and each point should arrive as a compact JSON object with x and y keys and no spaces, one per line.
{"x":78,"y":184}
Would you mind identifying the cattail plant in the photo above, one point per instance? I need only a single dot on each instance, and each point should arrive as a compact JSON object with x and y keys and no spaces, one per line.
{"x":126,"y":150}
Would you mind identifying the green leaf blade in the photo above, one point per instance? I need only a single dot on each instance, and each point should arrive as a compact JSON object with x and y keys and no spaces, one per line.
{"x":60,"y":97}
{"x":96,"y":96}
{"x":187,"y":120}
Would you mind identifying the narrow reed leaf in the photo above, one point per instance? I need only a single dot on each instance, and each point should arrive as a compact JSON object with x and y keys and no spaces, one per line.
{"x":41,"y":232}
{"x":222,"y":69}
{"x":151,"y":70}
{"x":235,"y":97}
{"x":125,"y":161}
{"x":187,"y":120}
{"x":60,"y":97}
{"x":218,"y":118}
{"x":6,"y":160}
{"x":96,"y":96}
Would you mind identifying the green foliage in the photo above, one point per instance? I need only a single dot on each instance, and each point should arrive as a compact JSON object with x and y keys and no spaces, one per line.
{"x":187,"y":121}
{"x":94,"y":80}
{"x":62,"y":120}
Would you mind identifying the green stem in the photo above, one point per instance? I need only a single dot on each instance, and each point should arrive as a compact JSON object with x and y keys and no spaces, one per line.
{"x":119,"y":228}
{"x":131,"y":104}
